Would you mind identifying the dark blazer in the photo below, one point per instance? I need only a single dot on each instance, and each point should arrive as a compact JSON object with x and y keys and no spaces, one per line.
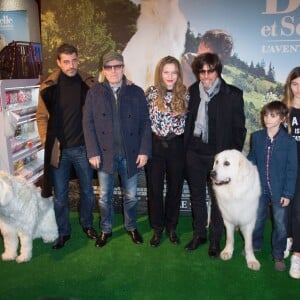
{"x":283,"y":164}
{"x":134,"y":120}
{"x":47,"y":118}
{"x":230,"y":117}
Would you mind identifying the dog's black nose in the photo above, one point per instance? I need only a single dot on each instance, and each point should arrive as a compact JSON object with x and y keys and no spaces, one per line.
{"x":213,"y":174}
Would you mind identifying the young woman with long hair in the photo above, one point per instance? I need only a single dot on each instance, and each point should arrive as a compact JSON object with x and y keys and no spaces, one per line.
{"x":167,"y":102}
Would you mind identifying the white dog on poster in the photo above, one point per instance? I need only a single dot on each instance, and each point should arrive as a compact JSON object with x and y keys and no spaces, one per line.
{"x":24,"y":216}
{"x":237,"y":188}
{"x":161,"y":29}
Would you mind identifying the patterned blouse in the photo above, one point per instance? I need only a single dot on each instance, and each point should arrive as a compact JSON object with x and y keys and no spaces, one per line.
{"x":164,"y":123}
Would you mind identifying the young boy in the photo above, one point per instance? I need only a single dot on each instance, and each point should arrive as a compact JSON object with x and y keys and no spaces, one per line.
{"x":274,"y":152}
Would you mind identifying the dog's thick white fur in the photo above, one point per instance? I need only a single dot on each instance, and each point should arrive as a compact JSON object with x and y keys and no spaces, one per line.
{"x":237,"y":188}
{"x":161,"y":29}
{"x":24,"y":216}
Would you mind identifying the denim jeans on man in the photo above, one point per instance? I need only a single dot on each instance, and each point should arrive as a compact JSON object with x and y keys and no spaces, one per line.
{"x":279,"y":221}
{"x":129,"y":188}
{"x":77,"y":158}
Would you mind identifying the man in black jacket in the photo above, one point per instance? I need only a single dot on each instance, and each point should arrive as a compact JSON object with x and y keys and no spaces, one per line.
{"x":59,"y":119}
{"x":215,"y":122}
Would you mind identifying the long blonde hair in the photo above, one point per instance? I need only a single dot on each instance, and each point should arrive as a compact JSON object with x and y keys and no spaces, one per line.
{"x":179,"y":102}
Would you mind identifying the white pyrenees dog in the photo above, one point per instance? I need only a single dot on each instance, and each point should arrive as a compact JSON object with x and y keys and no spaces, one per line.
{"x":24,"y":216}
{"x":237,"y":188}
{"x":161,"y":29}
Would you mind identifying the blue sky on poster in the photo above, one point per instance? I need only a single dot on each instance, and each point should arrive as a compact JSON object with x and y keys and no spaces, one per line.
{"x":258,"y":34}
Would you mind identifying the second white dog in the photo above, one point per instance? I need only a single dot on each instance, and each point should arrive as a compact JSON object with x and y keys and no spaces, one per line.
{"x":24,"y":216}
{"x":237,"y":188}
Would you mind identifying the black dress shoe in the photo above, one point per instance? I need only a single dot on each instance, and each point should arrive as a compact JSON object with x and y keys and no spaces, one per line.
{"x":195,"y":243}
{"x":214,"y":250}
{"x":102,"y":239}
{"x":135,"y":236}
{"x":60,"y":242}
{"x":91,"y":233}
{"x":155,"y":240}
{"x":174,"y":239}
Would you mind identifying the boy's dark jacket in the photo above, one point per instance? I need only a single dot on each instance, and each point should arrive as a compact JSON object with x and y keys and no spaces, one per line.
{"x":283,"y":164}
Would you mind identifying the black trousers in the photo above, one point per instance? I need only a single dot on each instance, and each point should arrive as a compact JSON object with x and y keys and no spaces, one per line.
{"x":198,"y":169}
{"x":295,"y":216}
{"x":165,"y":166}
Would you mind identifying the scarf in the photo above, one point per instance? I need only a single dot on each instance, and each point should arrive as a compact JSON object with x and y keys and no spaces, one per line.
{"x":201,"y":123}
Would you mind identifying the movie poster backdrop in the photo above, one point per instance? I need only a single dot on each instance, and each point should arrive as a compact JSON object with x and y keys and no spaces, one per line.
{"x":265,"y":37}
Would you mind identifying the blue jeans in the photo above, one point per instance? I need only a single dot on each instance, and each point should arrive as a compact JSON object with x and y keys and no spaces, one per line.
{"x":129,"y":188}
{"x":77,"y":158}
{"x":279,"y":222}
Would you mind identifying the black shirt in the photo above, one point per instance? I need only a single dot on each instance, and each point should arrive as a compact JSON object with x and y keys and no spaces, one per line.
{"x":69,"y":125}
{"x":295,"y":127}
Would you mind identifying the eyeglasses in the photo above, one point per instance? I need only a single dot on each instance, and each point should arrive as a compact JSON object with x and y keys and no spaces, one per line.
{"x":209,"y":71}
{"x":115,"y":67}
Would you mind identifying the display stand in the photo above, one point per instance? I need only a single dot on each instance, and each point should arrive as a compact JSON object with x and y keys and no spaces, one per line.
{"x":21,"y":149}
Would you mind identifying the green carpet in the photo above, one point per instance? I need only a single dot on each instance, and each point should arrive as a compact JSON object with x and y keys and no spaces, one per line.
{"x":123,"y":270}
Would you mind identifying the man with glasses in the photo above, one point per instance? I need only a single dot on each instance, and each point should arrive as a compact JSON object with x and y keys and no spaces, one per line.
{"x":215,"y":122}
{"x":118,"y":138}
{"x":59,"y":116}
